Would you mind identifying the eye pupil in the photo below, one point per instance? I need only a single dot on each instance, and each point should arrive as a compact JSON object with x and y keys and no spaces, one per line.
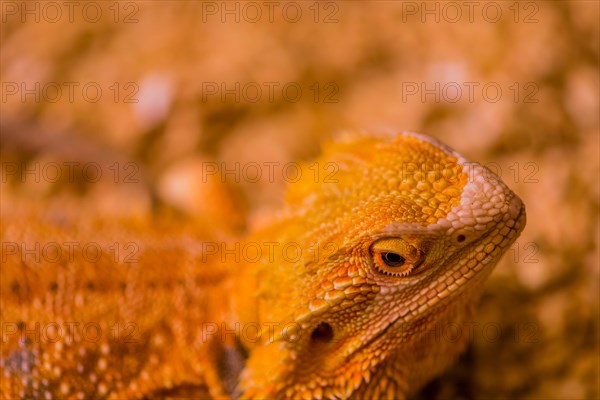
{"x":393,"y":259}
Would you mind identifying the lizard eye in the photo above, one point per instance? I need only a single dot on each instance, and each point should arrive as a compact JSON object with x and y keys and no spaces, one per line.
{"x":395,"y":257}
{"x":392,"y":260}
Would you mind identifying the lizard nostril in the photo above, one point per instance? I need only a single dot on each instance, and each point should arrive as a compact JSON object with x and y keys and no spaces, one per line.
{"x":460,"y":238}
{"x":322,"y":333}
{"x":515,"y":207}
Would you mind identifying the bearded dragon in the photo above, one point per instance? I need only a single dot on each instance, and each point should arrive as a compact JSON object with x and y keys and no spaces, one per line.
{"x":343,"y":294}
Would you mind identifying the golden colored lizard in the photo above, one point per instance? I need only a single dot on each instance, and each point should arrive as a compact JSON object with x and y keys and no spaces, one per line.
{"x":344,"y":294}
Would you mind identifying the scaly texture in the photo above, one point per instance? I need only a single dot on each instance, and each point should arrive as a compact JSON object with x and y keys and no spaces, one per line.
{"x":346,"y":292}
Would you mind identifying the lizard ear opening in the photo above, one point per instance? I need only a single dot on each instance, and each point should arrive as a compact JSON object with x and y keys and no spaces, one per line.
{"x":323,"y":333}
{"x":230,"y":359}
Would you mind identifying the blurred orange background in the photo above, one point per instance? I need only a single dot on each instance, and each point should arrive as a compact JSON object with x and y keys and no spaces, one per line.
{"x":116,"y":109}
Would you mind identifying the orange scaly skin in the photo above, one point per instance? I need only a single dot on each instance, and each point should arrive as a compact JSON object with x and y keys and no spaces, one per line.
{"x":392,"y":251}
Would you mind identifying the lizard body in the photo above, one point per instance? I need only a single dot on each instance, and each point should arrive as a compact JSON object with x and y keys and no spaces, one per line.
{"x":383,"y":257}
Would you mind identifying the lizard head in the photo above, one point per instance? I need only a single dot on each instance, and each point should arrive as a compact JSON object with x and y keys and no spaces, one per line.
{"x":370,"y":264}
